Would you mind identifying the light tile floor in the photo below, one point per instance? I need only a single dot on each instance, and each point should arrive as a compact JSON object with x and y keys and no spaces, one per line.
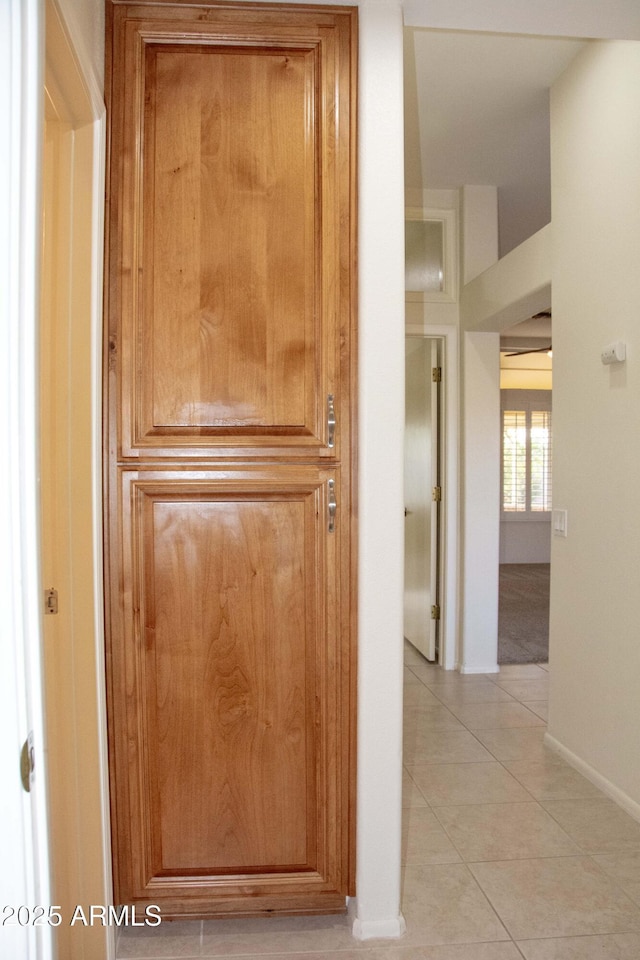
{"x":508,"y":853}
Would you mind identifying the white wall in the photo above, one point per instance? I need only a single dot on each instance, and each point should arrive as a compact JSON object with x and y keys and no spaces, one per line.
{"x":480,"y":497}
{"x":525,"y":541}
{"x":595,"y":601}
{"x":381,"y":514}
{"x":479,"y":230}
{"x":586,"y":18}
{"x":514,"y":288}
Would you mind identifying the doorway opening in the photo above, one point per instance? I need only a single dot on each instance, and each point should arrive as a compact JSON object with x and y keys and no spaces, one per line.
{"x":423,"y":490}
{"x":526,"y":479}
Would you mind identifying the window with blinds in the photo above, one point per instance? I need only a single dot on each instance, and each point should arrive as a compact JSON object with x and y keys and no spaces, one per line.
{"x":526,"y":460}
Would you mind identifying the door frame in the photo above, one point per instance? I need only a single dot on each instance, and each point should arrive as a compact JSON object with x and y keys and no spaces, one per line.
{"x":77,"y":123}
{"x":449,"y":438}
{"x":24,"y":815}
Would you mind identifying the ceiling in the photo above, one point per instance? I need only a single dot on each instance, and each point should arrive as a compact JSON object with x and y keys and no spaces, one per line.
{"x":477,"y":112}
{"x":531,"y":333}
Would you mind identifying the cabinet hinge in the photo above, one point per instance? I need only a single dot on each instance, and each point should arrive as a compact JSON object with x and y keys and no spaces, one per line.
{"x":436,"y":374}
{"x":436,"y":494}
{"x":435,"y":611}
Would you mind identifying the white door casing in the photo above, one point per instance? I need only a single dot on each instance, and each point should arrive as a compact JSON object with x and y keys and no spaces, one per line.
{"x":23,"y":816}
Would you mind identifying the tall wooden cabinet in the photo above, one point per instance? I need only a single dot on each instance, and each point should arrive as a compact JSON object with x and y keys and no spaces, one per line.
{"x":230,"y":455}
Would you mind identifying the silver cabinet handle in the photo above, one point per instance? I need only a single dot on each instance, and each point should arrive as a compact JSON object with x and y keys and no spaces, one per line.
{"x":333,"y":506}
{"x":331,"y":421}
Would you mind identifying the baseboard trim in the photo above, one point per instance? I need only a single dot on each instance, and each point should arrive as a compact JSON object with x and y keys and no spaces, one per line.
{"x":390,"y":929}
{"x":489,"y":667}
{"x":623,"y":800}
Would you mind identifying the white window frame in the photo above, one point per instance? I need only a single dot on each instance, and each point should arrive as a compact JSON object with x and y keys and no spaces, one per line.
{"x":528,"y":401}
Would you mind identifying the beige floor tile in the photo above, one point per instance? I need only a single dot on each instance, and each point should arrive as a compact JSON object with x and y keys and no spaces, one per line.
{"x":489,"y":716}
{"x":168,"y":940}
{"x":417,"y":695}
{"x":430,"y":672}
{"x":430,"y":716}
{"x":273,"y":935}
{"x":526,"y":689}
{"x":453,"y":678}
{"x":411,"y":796}
{"x":515,"y":743}
{"x":562,"y":897}
{"x":475,"y":691}
{"x":550,"y":778}
{"x":625,"y":870}
{"x":520,"y":671}
{"x":597,"y":826}
{"x":443,"y":904}
{"x":357,"y":953}
{"x":410,"y":677}
{"x":447,"y":746}
{"x":450,"y":951}
{"x":411,"y":655}
{"x":455,"y":783}
{"x":424,"y":840}
{"x":615,"y":946}
{"x":504,"y":831}
{"x":632,"y":890}
{"x":539,"y":707}
{"x":453,"y":951}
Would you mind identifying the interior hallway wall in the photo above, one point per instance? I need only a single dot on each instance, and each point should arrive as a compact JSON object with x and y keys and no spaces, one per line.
{"x":595,"y":596}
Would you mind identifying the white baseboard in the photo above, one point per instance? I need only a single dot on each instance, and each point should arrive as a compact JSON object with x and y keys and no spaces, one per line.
{"x":630,"y":806}
{"x":391,"y":929}
{"x":489,"y":667}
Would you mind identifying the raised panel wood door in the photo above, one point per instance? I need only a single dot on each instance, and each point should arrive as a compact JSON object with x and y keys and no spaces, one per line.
{"x":229,"y":372}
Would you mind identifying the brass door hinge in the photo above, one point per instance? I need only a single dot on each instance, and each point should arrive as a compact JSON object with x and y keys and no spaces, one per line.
{"x":435,"y":611}
{"x":27,"y":763}
{"x":436,"y":494}
{"x":436,"y":374}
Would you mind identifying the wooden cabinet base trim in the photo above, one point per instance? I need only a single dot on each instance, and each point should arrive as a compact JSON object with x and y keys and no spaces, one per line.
{"x":248,"y":907}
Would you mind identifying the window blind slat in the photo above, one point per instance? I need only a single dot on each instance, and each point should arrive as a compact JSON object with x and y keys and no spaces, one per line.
{"x":526,"y":461}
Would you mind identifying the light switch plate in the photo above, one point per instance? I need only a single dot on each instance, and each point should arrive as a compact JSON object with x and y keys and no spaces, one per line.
{"x":559,"y":523}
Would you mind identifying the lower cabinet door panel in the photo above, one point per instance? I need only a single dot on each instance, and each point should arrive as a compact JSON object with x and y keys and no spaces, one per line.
{"x":229,"y":688}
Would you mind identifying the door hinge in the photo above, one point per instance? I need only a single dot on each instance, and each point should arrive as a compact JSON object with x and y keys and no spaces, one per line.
{"x":436,"y":374}
{"x":27,"y":763}
{"x":435,"y":611}
{"x":436,"y":494}
{"x":51,"y":600}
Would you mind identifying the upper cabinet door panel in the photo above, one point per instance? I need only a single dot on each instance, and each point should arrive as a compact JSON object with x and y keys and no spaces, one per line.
{"x":229,"y":308}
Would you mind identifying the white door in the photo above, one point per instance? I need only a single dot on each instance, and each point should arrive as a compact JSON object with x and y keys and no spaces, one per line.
{"x":422,"y":491}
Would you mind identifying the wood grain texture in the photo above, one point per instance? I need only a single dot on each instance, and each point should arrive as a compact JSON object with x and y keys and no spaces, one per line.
{"x":230,"y":671}
{"x":230,"y":301}
{"x":234,"y":324}
{"x":226,"y":626}
{"x":231,"y":228}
